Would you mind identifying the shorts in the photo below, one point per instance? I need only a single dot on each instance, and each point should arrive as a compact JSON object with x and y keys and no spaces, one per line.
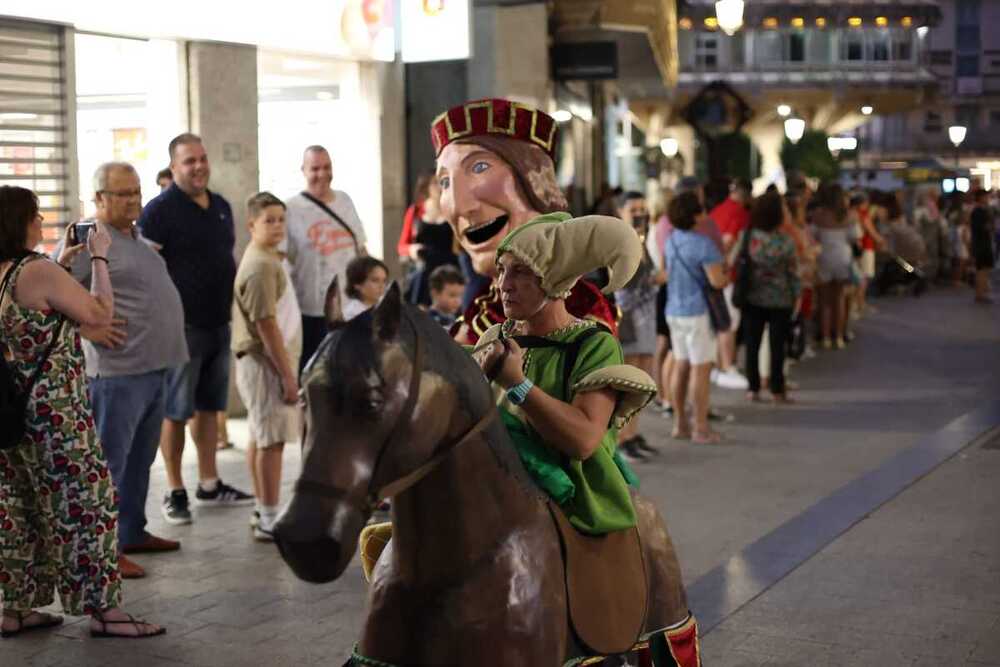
{"x":270,"y":419}
{"x":734,"y":312}
{"x":868,"y":264}
{"x":693,"y":339}
{"x":202,"y":384}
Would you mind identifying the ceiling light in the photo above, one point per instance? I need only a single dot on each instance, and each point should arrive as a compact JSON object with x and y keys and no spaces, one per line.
{"x":881,"y":21}
{"x":820,"y":22}
{"x":855,"y":21}
{"x":867,"y":109}
{"x":562,"y":116}
{"x":729,"y":15}
{"x":957,"y":134}
{"x":300,"y":65}
{"x":685,"y":23}
{"x":798,"y":22}
{"x":770,"y":22}
{"x":711,"y":22}
{"x":784,"y":110}
{"x":922,"y":31}
{"x":906,"y":21}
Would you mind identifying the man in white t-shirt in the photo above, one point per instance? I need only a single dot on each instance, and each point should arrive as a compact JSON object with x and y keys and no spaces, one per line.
{"x":324,"y":235}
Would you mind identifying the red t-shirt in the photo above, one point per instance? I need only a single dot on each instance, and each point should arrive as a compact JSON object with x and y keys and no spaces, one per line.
{"x":731,"y":217}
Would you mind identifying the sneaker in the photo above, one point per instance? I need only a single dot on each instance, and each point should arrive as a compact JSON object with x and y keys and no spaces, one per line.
{"x":262,"y":533}
{"x":668,"y":412}
{"x":732,"y":379}
{"x":254,"y":519}
{"x":630,"y":452}
{"x":644,"y":447}
{"x":175,"y":508}
{"x":223,"y":496}
{"x":840,"y":344}
{"x":827,"y":344}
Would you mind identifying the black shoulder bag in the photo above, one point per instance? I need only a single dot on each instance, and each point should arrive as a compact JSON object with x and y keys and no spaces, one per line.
{"x":13,"y":402}
{"x":329,"y":212}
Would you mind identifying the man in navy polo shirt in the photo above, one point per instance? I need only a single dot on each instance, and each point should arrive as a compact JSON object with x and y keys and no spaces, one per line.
{"x":193,"y":230}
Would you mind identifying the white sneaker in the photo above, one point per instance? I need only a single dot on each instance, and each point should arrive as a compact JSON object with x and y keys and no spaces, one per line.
{"x":264,"y":530}
{"x":714,"y":376}
{"x":732,"y":379}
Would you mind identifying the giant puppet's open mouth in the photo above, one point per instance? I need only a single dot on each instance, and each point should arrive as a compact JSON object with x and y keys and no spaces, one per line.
{"x":484,"y":232}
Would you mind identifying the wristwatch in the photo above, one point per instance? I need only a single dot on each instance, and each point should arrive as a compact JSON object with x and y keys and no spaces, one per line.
{"x":518,"y":394}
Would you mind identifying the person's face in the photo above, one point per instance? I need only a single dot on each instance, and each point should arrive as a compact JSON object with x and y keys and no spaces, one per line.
{"x":268,"y":228}
{"x":317,"y":167}
{"x":481,"y":200}
{"x":164,"y":183}
{"x":520,"y":289}
{"x":635,"y":213}
{"x":190,"y":167}
{"x":121,"y":201}
{"x":448,"y":299}
{"x":34,"y":235}
{"x":373,"y":286}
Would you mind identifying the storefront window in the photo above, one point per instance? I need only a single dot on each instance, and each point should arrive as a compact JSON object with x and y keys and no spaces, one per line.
{"x":130,"y":103}
{"x":307,"y":100}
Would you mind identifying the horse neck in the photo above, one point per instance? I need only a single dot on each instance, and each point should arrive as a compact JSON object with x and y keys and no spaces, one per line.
{"x":459,"y":513}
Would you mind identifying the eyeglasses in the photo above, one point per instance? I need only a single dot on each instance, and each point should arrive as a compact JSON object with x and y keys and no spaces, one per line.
{"x":124,"y":194}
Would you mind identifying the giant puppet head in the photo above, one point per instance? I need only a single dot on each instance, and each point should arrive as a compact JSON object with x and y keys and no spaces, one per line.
{"x":496,"y":171}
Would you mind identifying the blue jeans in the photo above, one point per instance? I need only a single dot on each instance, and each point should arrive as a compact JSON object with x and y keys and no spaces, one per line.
{"x":128,"y":411}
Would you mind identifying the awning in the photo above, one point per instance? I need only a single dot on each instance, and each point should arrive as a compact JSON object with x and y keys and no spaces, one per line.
{"x":781,"y":13}
{"x":657,"y":19}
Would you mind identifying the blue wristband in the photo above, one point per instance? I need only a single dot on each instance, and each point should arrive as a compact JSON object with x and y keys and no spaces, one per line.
{"x":518,"y":394}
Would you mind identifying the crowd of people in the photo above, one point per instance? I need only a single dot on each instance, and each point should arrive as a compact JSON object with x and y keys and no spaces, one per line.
{"x":125,"y":338}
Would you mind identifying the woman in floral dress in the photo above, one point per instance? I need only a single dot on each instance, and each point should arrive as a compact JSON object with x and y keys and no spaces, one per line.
{"x":58,"y":505}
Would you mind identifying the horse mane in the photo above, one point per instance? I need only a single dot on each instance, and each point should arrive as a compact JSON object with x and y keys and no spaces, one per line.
{"x":354,"y":356}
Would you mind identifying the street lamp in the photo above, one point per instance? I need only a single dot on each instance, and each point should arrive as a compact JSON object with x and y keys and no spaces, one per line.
{"x":794,"y":129}
{"x":957,"y":135}
{"x":729,"y":13}
{"x":669,"y":146}
{"x":784,"y":110}
{"x":867,"y":109}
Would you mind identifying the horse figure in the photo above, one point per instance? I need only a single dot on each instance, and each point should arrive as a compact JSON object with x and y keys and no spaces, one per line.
{"x":474,"y":573}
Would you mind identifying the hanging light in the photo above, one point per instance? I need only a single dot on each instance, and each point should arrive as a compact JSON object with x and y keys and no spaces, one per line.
{"x":957,"y":134}
{"x":730,"y":15}
{"x":784,"y":110}
{"x":867,"y":109}
{"x":794,"y":129}
{"x":562,"y":116}
{"x":669,"y":146}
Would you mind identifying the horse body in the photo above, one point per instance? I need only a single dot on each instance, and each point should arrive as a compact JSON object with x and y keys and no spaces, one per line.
{"x":474,"y":572}
{"x":478,"y":583}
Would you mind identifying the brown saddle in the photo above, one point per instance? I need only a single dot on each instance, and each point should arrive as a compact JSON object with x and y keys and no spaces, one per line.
{"x":605,"y":584}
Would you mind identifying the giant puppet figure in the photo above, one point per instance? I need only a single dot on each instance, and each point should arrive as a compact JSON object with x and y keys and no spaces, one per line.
{"x":517,"y":535}
{"x":495,"y":166}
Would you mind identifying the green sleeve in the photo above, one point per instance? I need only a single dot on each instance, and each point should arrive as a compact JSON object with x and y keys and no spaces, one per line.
{"x":599,"y":351}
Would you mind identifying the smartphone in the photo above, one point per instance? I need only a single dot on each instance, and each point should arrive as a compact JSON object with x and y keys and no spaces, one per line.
{"x":81,"y":231}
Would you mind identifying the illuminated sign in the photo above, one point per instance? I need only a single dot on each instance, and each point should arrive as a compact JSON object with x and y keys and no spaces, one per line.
{"x":434,"y":30}
{"x":353,"y":29}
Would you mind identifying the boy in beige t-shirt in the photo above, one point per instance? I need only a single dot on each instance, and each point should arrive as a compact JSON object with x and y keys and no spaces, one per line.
{"x":265,"y":371}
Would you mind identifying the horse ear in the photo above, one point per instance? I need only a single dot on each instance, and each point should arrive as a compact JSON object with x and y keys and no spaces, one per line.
{"x":333,"y":308}
{"x":388,"y":313}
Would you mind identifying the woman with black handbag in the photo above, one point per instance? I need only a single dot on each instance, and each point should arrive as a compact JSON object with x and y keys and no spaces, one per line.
{"x":58,"y":510}
{"x":772,"y":291}
{"x":695,"y":274}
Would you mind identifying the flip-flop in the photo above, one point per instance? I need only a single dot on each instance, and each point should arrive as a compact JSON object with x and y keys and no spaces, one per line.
{"x":711,"y":438}
{"x":51,"y":621}
{"x":104,"y":634}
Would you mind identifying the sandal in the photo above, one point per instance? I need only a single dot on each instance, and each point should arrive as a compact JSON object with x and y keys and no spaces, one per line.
{"x":48,"y":621}
{"x":706,"y":438}
{"x":134,"y":622}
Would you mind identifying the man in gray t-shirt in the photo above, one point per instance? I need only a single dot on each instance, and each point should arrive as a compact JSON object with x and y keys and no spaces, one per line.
{"x":127,"y":369}
{"x":324,"y":235}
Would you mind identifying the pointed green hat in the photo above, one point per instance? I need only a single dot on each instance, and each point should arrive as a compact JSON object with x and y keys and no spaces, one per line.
{"x":560,"y":249}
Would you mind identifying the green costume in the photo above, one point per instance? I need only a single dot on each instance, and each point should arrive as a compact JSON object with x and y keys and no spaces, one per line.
{"x":594,"y":492}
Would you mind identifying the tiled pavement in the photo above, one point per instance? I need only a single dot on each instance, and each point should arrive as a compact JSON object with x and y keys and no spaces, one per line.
{"x":917,"y":583}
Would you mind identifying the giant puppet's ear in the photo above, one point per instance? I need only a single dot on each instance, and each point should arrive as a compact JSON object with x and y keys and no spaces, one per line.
{"x":333,"y":310}
{"x":387,"y":314}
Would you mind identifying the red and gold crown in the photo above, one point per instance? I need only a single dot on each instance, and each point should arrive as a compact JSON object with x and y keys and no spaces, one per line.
{"x":495,"y":116}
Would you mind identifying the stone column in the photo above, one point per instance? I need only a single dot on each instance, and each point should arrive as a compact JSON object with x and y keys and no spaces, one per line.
{"x":511,"y":54}
{"x":222,"y":95}
{"x":392,"y":87}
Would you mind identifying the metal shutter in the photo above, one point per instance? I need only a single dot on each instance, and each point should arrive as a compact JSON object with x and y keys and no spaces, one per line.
{"x":34,"y":146}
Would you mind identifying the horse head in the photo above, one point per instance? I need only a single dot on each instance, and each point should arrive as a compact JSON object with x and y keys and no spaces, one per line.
{"x":381,"y":393}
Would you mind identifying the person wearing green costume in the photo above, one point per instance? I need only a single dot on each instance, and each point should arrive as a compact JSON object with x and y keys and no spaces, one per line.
{"x":566,"y":389}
